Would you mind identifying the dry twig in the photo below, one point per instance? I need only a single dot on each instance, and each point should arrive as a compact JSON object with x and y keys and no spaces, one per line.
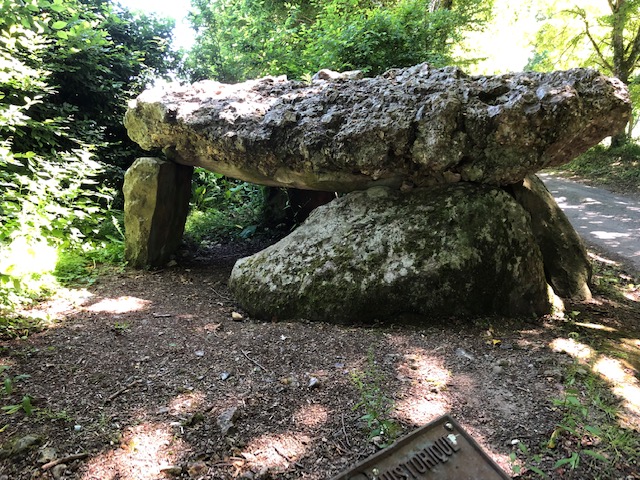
{"x":122,"y":390}
{"x":344,"y":430}
{"x":254,"y":362}
{"x":287,"y":458}
{"x":67,"y":459}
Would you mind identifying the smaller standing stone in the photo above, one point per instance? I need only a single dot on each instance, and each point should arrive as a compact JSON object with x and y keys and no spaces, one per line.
{"x":157,"y":196}
{"x":566,"y":263}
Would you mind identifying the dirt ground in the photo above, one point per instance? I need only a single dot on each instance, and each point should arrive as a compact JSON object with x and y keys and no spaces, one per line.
{"x":159,"y":374}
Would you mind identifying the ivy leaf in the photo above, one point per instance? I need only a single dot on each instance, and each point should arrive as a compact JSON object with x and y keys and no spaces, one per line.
{"x":58,"y":25}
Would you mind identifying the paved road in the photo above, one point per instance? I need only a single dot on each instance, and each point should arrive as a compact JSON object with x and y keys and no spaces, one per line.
{"x":607,"y":220}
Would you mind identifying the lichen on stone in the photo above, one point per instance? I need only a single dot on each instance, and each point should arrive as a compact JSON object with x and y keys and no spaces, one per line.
{"x":460,"y":249}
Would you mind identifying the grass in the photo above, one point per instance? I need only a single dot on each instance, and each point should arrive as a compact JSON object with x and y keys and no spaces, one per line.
{"x":377,"y":407}
{"x":589,"y":435}
{"x":617,"y":169}
{"x":596,"y":435}
{"x":589,"y":431}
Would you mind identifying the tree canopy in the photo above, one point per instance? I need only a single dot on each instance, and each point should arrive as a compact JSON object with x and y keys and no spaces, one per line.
{"x":604,"y":34}
{"x":240,"y":39}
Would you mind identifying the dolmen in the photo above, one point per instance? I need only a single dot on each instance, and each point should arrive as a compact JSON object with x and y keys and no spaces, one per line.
{"x":439,"y":212}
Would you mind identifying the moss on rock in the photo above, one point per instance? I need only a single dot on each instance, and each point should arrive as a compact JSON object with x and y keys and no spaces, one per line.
{"x":460,"y":249}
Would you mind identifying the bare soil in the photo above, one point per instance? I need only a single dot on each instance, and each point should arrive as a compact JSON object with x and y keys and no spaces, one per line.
{"x":139,"y":370}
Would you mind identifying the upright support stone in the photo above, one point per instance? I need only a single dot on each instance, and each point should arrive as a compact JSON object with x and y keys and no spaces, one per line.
{"x":566,"y":262}
{"x":156,"y":204}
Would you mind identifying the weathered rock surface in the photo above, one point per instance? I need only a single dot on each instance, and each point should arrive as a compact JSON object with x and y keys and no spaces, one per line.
{"x":157,"y":196}
{"x":417,"y":125}
{"x":381,"y":253}
{"x":566,"y":262}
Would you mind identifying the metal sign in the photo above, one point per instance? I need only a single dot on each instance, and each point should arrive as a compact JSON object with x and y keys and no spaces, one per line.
{"x":440,"y":450}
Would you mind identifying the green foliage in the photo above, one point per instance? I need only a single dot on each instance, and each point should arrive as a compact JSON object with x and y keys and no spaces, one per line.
{"x":593,"y":33}
{"x":617,"y":168}
{"x":530,"y":461}
{"x":244,"y":39}
{"x":222,"y":207}
{"x":590,"y":419}
{"x":121,"y":327}
{"x":9,"y":384}
{"x":589,"y":434}
{"x":376,"y":405}
{"x":66,"y":71}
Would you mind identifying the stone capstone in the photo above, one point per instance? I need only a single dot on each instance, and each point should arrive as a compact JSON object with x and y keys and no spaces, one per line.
{"x":417,"y":126}
{"x":157,"y":194}
{"x":566,"y":262}
{"x":460,"y":249}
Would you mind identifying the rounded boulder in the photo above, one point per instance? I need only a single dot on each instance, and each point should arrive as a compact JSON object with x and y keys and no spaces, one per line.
{"x":382,"y":254}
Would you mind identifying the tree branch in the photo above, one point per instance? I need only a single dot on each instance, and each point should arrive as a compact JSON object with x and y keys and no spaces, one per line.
{"x":582,"y":14}
{"x":634,"y":56}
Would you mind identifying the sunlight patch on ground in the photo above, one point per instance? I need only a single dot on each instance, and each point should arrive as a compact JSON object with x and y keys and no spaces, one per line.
{"x":145,"y":450}
{"x":598,"y":258}
{"x":632,"y":292}
{"x":530,"y":339}
{"x":67,"y":299}
{"x":575,"y":349}
{"x":426,"y":378}
{"x":119,"y":305}
{"x":596,"y":326}
{"x":625,"y":385}
{"x":312,"y":415}
{"x":275,"y":451}
{"x":48,"y":312}
{"x":623,"y":382}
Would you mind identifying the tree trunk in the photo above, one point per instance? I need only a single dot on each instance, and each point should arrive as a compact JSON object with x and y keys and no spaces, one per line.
{"x":440,"y":5}
{"x":621,"y":67}
{"x":619,"y":140}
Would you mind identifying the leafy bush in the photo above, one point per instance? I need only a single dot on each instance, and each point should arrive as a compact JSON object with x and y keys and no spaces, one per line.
{"x":243,"y":39}
{"x":222,"y":207}
{"x":66,"y":70}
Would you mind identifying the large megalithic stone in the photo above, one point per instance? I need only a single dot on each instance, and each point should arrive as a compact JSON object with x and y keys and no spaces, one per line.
{"x":417,"y":126}
{"x":157,"y":196}
{"x":381,"y":254}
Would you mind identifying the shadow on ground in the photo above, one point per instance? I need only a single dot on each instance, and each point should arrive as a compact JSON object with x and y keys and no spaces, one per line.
{"x":145,"y":371}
